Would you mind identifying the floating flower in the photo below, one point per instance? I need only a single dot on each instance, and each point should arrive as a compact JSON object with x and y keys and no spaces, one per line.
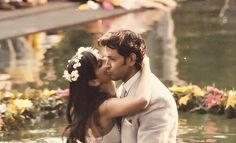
{"x":197,"y":91}
{"x":1,"y":122}
{"x":184,"y":90}
{"x":3,"y":108}
{"x":184,"y":100}
{"x":1,"y":96}
{"x":231,"y":101}
{"x":214,"y":90}
{"x":19,"y":106}
{"x":22,"y":103}
{"x":180,"y":90}
{"x":62,"y":93}
{"x":214,"y":96}
{"x":47,"y":92}
{"x":11,"y":108}
{"x":9,"y":95}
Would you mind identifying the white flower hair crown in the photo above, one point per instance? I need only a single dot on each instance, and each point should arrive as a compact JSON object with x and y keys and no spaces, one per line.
{"x":74,"y":75}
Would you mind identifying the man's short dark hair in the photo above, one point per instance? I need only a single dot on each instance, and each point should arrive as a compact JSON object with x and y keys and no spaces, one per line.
{"x":126,"y":42}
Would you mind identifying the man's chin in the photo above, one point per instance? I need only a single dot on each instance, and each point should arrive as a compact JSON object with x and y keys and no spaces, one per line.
{"x":114,"y":79}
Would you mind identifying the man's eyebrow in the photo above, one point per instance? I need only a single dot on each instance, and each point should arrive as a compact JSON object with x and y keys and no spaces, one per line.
{"x":111,"y":57}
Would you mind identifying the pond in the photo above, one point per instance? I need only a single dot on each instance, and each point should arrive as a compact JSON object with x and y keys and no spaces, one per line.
{"x":194,"y":44}
{"x":193,"y":128}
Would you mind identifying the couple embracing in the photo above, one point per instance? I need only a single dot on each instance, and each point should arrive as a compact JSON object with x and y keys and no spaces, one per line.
{"x":141,"y":110}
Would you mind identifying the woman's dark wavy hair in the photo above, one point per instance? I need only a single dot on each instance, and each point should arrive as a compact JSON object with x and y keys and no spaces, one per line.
{"x":126,"y":42}
{"x":84,"y":100}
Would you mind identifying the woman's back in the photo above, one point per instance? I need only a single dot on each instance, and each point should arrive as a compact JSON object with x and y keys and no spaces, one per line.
{"x":112,"y":136}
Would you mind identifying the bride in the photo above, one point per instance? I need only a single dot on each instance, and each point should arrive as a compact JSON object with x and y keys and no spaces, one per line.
{"x":93,"y":110}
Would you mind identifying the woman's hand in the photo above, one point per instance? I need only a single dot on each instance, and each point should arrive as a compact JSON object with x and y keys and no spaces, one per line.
{"x":146,"y":65}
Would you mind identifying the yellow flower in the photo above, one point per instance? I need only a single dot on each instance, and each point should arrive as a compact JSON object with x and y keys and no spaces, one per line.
{"x":231,"y":99}
{"x":1,"y":96}
{"x":47,"y":92}
{"x":11,"y":108}
{"x":184,"y":100}
{"x":197,"y":91}
{"x":23,"y":103}
{"x":9,"y":95}
{"x":180,"y":90}
{"x":19,"y":106}
{"x":3,"y":108}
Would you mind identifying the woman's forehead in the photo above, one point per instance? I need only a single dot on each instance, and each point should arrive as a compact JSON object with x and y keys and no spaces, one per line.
{"x":102,"y":58}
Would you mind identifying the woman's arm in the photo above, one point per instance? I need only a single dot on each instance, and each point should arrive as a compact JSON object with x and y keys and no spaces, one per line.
{"x":116,"y":107}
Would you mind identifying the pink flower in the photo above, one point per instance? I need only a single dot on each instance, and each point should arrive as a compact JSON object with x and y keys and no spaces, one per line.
{"x":214,"y":96}
{"x":214,"y":90}
{"x":62,"y":93}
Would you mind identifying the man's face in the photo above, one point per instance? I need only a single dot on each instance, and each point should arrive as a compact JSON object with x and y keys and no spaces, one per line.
{"x":117,"y":67}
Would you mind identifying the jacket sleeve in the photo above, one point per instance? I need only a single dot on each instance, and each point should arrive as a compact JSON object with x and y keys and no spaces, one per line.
{"x":158,"y":124}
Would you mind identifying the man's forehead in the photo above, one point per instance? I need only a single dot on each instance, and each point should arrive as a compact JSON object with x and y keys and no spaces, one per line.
{"x":111,"y":52}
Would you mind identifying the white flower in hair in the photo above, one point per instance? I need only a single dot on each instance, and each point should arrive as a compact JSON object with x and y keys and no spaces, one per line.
{"x":74,"y":75}
{"x":67,"y":75}
{"x":76,"y":65}
{"x":95,"y":52}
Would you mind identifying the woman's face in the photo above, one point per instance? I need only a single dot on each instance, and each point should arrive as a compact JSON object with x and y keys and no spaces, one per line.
{"x":101,"y":70}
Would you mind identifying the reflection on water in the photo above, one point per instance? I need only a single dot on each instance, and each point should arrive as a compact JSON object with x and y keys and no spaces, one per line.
{"x":28,"y":59}
{"x":46,"y":130}
{"x":194,"y":44}
{"x":163,"y":30}
{"x":193,"y":128}
{"x":21,"y":61}
{"x":182,"y":48}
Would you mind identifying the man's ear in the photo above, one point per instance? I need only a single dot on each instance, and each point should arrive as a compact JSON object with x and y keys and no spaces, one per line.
{"x":132,"y":59}
{"x":94,"y":82}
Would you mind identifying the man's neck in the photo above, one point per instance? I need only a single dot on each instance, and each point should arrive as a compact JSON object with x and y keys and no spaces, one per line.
{"x":129,"y":75}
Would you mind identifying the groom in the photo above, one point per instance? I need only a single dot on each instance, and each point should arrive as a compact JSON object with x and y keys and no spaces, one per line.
{"x":159,"y":121}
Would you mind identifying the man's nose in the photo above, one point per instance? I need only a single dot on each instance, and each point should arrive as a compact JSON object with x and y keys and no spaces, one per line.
{"x":107,"y":63}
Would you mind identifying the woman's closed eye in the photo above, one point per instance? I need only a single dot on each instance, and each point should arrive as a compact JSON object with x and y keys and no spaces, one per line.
{"x":101,"y":62}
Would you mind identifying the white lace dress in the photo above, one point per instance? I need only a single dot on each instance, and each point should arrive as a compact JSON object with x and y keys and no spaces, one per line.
{"x":112,"y":137}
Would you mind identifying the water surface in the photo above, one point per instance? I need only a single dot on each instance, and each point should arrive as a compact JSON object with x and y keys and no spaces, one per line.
{"x":194,"y":44}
